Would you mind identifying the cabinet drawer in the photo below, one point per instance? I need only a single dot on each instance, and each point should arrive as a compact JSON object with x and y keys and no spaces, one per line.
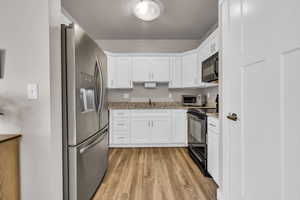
{"x":120,"y":113}
{"x":213,"y":124}
{"x":120,"y":138}
{"x":120,"y":125}
{"x":151,"y":113}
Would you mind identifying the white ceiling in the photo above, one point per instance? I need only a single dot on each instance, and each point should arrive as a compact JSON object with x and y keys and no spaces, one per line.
{"x":113,"y":19}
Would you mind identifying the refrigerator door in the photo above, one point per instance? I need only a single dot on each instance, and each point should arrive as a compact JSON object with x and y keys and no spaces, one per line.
{"x":88,"y":164}
{"x":82,"y":63}
{"x":100,"y":78}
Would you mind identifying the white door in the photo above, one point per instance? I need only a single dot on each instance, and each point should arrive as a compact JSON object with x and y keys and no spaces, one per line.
{"x":161,"y":130}
{"x":160,"y":69}
{"x":140,"y":130}
{"x":260,"y":63}
{"x":176,"y":72}
{"x":190,"y":70}
{"x":123,"y":72}
{"x":141,"y":67}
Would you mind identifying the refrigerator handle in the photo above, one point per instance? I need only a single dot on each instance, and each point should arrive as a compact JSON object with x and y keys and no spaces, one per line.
{"x":91,"y":145}
{"x":100,"y":96}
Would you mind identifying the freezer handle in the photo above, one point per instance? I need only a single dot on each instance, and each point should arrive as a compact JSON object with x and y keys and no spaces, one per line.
{"x":92,"y":144}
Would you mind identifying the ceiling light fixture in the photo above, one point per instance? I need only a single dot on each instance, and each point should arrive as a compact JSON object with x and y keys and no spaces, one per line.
{"x":147,"y":10}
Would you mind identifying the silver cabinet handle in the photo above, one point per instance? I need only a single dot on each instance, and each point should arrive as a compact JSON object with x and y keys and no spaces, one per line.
{"x":152,"y":123}
{"x":120,"y":124}
{"x":148,"y":123}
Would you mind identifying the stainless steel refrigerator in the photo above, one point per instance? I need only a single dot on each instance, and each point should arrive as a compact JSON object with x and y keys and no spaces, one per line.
{"x":85,"y":114}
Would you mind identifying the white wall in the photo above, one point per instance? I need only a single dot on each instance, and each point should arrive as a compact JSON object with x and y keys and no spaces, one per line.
{"x":25,"y":35}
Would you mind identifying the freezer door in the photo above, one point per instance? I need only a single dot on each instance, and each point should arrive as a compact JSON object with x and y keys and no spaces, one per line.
{"x":83,"y":88}
{"x":88,"y":163}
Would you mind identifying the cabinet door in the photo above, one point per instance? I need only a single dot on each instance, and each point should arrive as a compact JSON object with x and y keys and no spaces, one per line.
{"x":213,"y":155}
{"x":160,"y":69}
{"x":210,"y":153}
{"x":214,"y":43}
{"x":140,"y":131}
{"x":175,"y":72}
{"x":179,"y":127}
{"x":161,"y":130}
{"x":190,"y":71}
{"x":123,"y":72}
{"x":206,"y":49}
{"x":141,"y":69}
{"x":111,"y":63}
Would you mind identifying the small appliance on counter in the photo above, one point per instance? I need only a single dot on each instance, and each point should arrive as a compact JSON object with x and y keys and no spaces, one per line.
{"x":194,"y":100}
{"x":210,"y":69}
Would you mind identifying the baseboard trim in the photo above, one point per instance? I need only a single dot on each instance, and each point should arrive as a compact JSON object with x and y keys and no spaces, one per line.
{"x":220,"y":195}
{"x":145,"y":145}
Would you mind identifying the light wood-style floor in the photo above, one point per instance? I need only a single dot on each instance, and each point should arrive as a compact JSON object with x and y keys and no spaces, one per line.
{"x":154,"y":174}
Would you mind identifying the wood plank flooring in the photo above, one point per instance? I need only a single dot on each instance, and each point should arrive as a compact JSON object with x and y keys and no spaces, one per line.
{"x":154,"y":174}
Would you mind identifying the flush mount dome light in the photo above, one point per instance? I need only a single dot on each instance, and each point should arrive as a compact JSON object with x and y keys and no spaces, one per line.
{"x":147,"y":10}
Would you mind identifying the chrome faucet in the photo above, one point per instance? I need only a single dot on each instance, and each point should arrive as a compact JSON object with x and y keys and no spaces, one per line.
{"x":150,"y":102}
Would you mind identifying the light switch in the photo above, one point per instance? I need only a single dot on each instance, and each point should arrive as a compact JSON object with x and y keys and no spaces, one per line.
{"x":170,"y":96}
{"x":32,"y":91}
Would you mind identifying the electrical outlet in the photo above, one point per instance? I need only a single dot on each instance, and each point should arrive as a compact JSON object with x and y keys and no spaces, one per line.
{"x":32,"y":91}
{"x":170,"y":96}
{"x":208,"y":95}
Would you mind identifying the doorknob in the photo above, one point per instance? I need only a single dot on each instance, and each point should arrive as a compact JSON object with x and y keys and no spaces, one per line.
{"x":232,"y":116}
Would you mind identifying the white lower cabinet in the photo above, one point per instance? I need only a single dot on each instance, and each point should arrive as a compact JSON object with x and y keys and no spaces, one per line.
{"x":161,"y":130}
{"x":147,"y":128}
{"x":140,"y":131}
{"x":213,"y":143}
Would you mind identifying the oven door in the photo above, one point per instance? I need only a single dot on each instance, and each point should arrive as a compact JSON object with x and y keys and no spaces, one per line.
{"x":197,"y":133}
{"x":210,"y":69}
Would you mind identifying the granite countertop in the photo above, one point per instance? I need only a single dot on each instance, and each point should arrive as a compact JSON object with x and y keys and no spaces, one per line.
{"x":6,"y":137}
{"x":154,"y":105}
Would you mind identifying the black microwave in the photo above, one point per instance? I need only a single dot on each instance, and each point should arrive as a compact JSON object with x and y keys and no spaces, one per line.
{"x":210,"y":68}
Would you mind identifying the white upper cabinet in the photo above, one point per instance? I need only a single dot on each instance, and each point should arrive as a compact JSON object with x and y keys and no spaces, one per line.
{"x":180,"y":70}
{"x":214,"y":42}
{"x":141,"y":69}
{"x":175,"y":72}
{"x":146,"y":69}
{"x":160,"y":69}
{"x":190,"y":70}
{"x":119,"y":72}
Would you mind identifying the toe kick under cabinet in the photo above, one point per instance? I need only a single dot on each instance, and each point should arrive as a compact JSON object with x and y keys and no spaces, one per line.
{"x":148,"y":128}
